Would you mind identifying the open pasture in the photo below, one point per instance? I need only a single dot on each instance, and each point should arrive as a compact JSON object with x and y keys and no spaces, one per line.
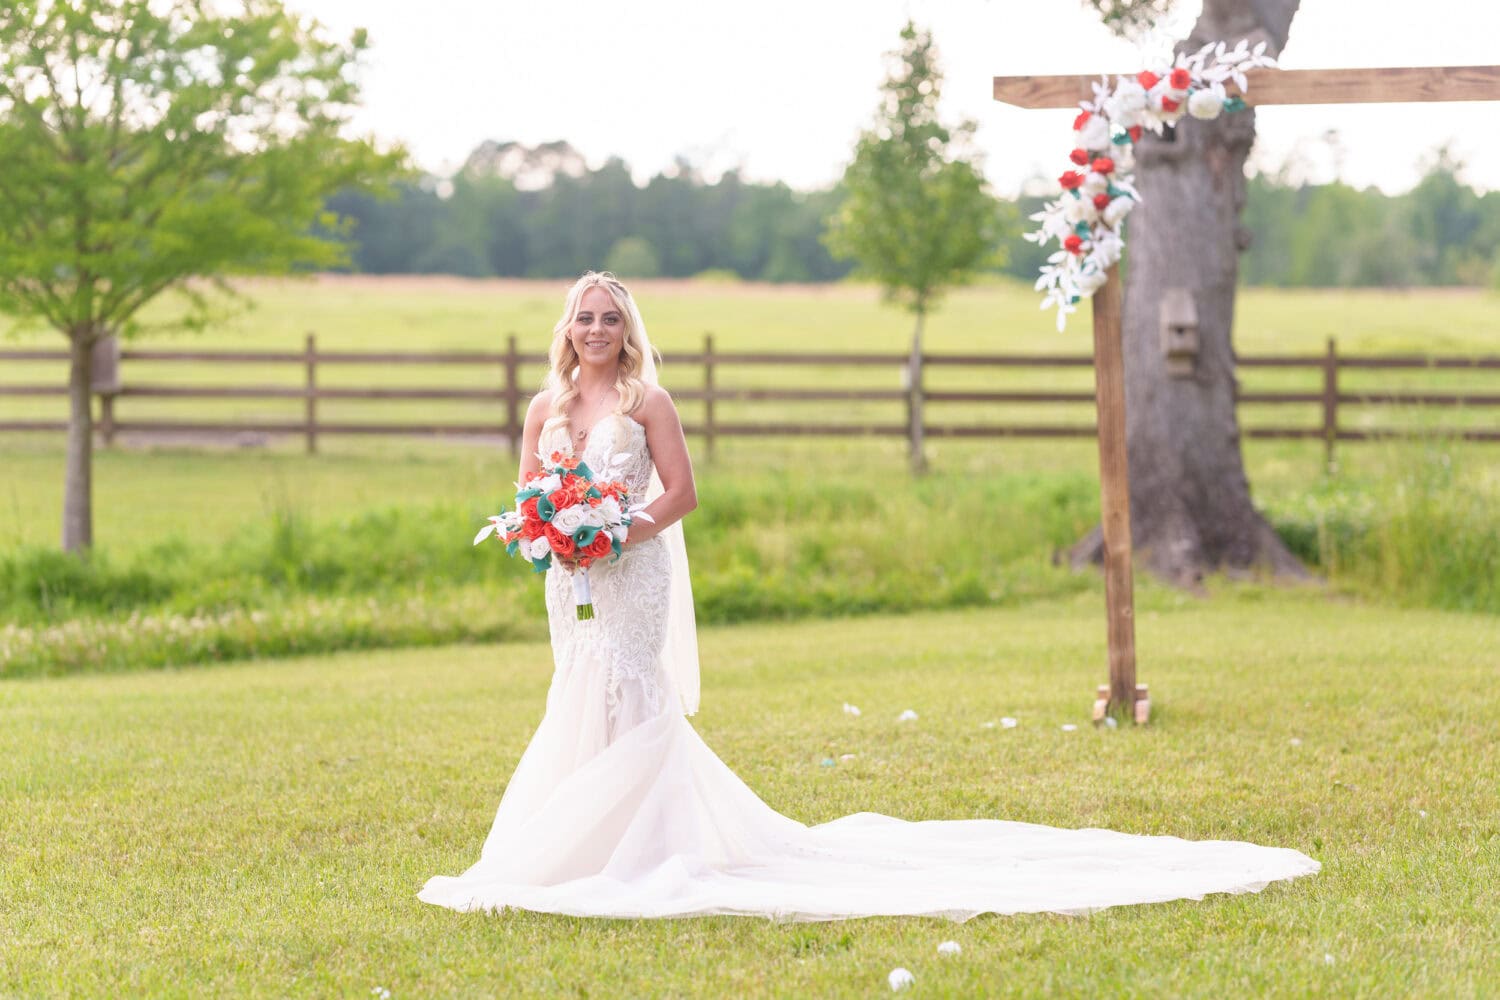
{"x":447,"y":314}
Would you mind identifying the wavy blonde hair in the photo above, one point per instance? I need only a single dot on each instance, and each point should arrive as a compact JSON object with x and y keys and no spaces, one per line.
{"x":563,"y":357}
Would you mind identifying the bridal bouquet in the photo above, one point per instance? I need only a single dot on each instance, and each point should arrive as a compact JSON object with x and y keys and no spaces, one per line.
{"x":565,"y":511}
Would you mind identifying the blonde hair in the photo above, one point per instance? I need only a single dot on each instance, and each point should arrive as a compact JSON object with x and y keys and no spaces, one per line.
{"x":563,"y":357}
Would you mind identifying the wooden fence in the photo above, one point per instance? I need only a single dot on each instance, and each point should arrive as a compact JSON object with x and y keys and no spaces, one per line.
{"x":509,"y":393}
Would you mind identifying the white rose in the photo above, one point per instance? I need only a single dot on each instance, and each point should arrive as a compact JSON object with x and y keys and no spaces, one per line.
{"x":609,"y":507}
{"x":1125,"y":105}
{"x":569,"y":519}
{"x":620,"y":531}
{"x":1081,"y":210}
{"x":1094,"y":134}
{"x":1090,"y":282}
{"x":1093,"y":183}
{"x":595,"y":518}
{"x":1207,"y":104}
{"x":1117,"y":209}
{"x":1107,"y":248}
{"x":537,"y":548}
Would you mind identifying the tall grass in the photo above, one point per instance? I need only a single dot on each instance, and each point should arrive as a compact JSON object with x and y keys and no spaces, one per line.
{"x":1421,"y":530}
{"x":762,"y":547}
{"x":1425,"y":530}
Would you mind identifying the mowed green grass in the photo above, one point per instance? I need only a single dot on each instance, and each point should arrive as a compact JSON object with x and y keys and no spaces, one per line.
{"x":262,"y":829}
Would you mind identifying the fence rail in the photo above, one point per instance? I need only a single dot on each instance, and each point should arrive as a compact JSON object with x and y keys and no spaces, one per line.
{"x":508,"y":392}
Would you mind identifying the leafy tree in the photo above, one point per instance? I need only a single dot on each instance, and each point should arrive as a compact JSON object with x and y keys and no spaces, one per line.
{"x":633,"y":257}
{"x":918,"y":216}
{"x":157,"y":145}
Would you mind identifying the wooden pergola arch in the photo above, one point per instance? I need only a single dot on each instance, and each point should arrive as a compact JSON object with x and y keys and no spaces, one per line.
{"x":1122,"y":695}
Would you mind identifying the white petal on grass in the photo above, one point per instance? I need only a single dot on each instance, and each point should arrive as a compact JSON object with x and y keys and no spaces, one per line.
{"x":907,"y":716}
{"x":900,"y":978}
{"x":1295,"y":742}
{"x":1068,"y":727}
{"x":1008,"y":723}
{"x":1111,"y":721}
{"x":846,"y":756}
{"x":988,"y":725}
{"x":850,"y":709}
{"x":949,"y":948}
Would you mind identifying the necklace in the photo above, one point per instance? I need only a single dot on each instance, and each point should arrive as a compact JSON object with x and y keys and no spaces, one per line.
{"x":583,"y":432}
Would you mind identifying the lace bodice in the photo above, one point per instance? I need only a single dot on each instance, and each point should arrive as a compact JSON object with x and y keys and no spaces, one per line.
{"x":631,"y":594}
{"x":615,"y":434}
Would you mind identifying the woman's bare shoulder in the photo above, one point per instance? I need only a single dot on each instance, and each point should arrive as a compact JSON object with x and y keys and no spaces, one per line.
{"x":656,"y":404}
{"x":542,"y":401}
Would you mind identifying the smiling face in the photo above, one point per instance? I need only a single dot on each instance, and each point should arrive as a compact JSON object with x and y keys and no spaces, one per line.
{"x":598,"y":331}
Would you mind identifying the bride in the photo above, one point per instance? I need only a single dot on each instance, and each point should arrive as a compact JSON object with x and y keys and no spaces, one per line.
{"x":618,"y":809}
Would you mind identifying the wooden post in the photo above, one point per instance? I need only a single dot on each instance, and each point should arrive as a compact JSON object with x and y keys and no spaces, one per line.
{"x":311,"y":394}
{"x":1330,"y":404}
{"x":513,"y":396}
{"x":708,"y":396}
{"x":914,"y":404}
{"x":1114,"y":480}
{"x":1271,"y":86}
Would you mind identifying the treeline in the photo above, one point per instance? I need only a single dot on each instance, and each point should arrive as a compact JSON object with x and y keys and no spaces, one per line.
{"x":541,"y":212}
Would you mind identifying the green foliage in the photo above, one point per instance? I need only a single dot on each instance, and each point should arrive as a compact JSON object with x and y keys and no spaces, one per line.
{"x":1130,"y":19}
{"x":1441,"y":232}
{"x":151,"y":144}
{"x":576,"y":221}
{"x":762,"y":548}
{"x":1422,"y":532}
{"x":917,"y":214}
{"x":633,"y":257}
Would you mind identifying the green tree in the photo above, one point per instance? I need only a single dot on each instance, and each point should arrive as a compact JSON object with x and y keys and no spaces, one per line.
{"x":159,"y":145}
{"x":918,"y":216}
{"x":633,"y":257}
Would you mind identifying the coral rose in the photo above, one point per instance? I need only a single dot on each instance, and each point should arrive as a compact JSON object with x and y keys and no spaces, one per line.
{"x":562,"y":544}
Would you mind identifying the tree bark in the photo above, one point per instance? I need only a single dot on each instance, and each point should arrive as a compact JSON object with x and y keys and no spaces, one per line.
{"x":1190,"y":505}
{"x":78,"y":487}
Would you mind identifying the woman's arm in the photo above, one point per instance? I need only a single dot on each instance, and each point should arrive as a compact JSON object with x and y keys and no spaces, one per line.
{"x":669,"y":451}
{"x":536,"y":415}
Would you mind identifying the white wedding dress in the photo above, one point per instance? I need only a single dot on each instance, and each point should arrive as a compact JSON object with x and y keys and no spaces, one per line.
{"x":618,"y":809}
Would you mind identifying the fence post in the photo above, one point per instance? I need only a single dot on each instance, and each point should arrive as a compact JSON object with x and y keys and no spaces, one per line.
{"x":311,"y":394}
{"x":708,"y":396}
{"x":1330,"y":404}
{"x":914,"y":404}
{"x":513,"y":396}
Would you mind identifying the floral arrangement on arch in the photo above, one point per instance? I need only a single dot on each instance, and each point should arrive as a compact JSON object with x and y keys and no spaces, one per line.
{"x":1088,"y":220}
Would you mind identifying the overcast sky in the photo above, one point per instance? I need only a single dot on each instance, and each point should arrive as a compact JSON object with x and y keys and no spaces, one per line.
{"x":780,"y":88}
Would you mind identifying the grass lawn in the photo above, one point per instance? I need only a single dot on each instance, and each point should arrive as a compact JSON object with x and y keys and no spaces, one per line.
{"x":261,"y":829}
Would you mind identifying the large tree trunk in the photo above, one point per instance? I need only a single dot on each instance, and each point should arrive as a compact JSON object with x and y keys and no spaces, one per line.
{"x":1190,"y":508}
{"x":78,"y":488}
